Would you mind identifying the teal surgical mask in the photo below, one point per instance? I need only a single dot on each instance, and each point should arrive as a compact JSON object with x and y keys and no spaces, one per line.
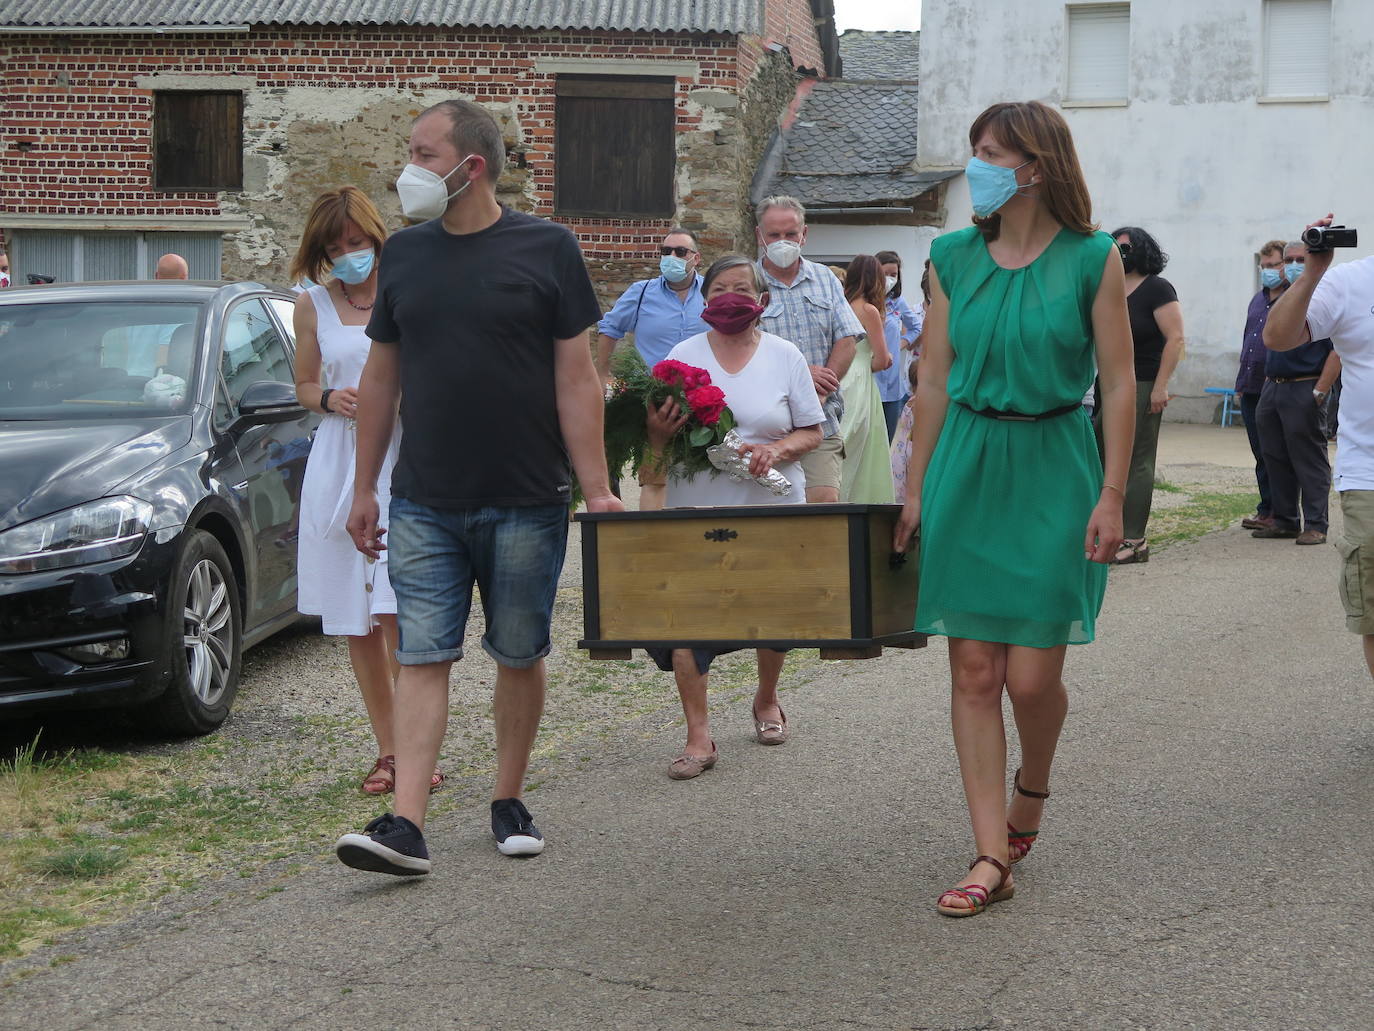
{"x":1292,"y":271}
{"x":990,"y":186}
{"x":674,"y":269}
{"x":1270,"y":277}
{"x":355,"y":266}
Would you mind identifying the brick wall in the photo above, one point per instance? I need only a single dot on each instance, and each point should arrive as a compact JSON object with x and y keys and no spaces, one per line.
{"x":333,"y":106}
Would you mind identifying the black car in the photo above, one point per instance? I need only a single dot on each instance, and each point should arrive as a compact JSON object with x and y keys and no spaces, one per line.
{"x":151,"y":458}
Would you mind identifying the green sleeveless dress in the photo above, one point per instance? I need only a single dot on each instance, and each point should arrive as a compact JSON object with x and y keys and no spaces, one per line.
{"x":1004,"y":504}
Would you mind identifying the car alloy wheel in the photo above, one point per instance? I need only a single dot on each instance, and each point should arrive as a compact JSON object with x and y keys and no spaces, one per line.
{"x":209,"y":634}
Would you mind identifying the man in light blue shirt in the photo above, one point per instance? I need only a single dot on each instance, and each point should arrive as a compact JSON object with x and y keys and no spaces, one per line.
{"x":661,"y":313}
{"x":807,"y":306}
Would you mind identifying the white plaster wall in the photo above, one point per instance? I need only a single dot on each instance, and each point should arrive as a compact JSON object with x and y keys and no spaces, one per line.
{"x":912,"y":243}
{"x":1194,"y":157}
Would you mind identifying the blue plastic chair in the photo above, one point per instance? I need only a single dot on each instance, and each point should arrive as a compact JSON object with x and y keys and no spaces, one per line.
{"x":1230,"y":407}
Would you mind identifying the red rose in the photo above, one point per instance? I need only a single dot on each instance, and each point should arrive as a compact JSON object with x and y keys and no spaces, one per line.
{"x":706,"y":403}
{"x":695,"y":378}
{"x":671,"y":372}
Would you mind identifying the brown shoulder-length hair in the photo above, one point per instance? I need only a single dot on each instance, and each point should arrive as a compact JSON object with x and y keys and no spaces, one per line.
{"x":331,"y":210}
{"x":864,"y":279}
{"x":1039,"y":132}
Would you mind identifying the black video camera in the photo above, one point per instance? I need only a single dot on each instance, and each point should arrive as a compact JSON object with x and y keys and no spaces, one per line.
{"x":38,"y":279}
{"x":1323,"y":238}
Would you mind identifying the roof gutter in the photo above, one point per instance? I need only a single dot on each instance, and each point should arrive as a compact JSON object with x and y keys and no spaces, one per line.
{"x":117,"y":30}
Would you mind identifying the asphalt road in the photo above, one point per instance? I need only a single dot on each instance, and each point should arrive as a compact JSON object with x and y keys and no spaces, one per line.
{"x":1206,"y":860}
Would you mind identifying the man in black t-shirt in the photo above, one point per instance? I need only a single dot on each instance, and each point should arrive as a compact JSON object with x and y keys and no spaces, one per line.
{"x":479,"y":332}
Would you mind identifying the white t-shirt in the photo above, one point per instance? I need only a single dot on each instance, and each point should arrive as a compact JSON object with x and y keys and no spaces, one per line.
{"x":1342,"y":308}
{"x":770,"y":397}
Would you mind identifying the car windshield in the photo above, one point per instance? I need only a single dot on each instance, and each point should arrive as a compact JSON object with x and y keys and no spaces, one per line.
{"x":97,"y":359}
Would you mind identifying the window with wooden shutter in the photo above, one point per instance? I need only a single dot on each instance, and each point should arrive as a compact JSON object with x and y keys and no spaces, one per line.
{"x":198,"y":140}
{"x":1297,"y":49}
{"x":615,"y":149}
{"x":1099,"y":53}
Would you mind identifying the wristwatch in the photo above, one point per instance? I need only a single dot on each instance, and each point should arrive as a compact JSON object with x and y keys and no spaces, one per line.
{"x":324,"y":398}
{"x":1320,"y":395}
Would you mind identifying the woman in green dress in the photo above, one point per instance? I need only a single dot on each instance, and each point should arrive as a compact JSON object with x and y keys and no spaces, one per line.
{"x":1005,"y":484}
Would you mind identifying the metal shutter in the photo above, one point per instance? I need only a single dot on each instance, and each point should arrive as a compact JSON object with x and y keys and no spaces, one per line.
{"x":1099,"y":52}
{"x":1297,"y":48}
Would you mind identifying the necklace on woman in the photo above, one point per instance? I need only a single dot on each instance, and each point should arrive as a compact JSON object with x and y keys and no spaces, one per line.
{"x":359,"y":307}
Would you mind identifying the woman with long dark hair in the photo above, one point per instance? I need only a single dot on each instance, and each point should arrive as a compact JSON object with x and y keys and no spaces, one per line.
{"x":1005,"y":484}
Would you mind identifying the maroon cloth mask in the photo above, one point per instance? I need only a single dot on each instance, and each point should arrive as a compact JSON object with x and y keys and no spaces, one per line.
{"x":731,"y":313}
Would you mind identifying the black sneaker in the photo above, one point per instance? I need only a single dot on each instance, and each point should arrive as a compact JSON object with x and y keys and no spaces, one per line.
{"x":516,"y":834}
{"x":389,"y":844}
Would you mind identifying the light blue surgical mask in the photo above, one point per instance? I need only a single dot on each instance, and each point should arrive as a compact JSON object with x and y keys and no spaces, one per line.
{"x":1270,"y":278}
{"x":990,"y":186}
{"x":1292,"y":271}
{"x":355,"y":266}
{"x":674,"y":269}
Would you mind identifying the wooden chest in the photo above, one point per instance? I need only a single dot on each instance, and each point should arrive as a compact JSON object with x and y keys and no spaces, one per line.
{"x":786,"y":576}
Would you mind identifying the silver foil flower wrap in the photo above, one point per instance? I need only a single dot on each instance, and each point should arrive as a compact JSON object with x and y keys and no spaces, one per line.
{"x":725,"y":457}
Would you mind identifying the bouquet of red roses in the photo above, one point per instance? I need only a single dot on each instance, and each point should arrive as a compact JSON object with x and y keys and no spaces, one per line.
{"x":636,"y":388}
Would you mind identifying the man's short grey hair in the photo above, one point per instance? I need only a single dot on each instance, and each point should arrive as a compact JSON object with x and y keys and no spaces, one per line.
{"x":780,"y":201}
{"x":680,"y":231}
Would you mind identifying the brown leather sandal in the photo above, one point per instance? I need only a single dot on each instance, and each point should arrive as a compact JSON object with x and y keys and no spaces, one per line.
{"x":381,"y":779}
{"x":978,"y":896}
{"x":1019,"y":842}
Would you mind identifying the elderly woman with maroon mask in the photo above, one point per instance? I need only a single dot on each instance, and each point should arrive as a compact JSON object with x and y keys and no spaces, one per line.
{"x":768,"y":387}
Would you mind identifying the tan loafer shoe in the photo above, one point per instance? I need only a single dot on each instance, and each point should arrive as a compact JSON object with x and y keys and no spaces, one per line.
{"x":685,"y":766}
{"x":770,"y":732}
{"x":1311,"y":537}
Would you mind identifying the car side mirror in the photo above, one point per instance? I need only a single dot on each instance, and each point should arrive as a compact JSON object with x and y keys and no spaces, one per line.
{"x":268,"y":400}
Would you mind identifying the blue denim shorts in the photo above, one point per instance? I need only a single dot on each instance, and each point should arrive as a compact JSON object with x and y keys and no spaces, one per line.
{"x":514,"y":555}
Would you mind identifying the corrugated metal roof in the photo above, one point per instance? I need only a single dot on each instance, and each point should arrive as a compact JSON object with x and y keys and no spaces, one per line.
{"x":642,"y":15}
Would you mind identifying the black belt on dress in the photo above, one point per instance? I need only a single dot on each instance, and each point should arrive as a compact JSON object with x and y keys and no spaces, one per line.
{"x":993,"y":413}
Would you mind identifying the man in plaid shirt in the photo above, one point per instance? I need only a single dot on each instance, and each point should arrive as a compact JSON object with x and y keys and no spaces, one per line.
{"x":807,"y":306}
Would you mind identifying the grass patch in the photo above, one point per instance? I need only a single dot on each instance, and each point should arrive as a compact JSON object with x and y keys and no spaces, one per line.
{"x":1203,"y":513}
{"x":81,"y":862}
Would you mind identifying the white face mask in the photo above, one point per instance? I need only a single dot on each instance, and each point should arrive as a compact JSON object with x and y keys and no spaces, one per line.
{"x":423,"y":194}
{"x":783,"y":253}
{"x":891,"y":283}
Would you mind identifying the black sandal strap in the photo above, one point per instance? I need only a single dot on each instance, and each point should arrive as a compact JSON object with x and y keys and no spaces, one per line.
{"x":1023,"y":791}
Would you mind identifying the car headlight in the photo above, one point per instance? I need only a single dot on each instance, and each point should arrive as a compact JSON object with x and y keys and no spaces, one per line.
{"x":96,"y":532}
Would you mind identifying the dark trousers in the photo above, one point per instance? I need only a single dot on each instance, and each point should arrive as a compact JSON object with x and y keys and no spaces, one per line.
{"x":1249,"y":403}
{"x":1140,"y":475}
{"x":892,"y":411}
{"x":1292,"y":430}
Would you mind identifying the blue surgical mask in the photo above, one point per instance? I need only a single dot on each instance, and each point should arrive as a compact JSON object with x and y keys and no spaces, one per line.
{"x":355,"y":266}
{"x":1270,"y":278}
{"x":1292,"y":271}
{"x":990,"y":186}
{"x":674,"y":269}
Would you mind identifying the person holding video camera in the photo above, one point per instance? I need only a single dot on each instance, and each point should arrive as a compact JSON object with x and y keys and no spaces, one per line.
{"x":1339,"y":303}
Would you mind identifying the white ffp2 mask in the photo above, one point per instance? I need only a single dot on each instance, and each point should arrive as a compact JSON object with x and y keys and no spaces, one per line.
{"x":423,"y":194}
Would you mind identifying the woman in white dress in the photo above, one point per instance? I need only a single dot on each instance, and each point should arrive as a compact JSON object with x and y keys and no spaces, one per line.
{"x":769,"y":390}
{"x":344,"y":236}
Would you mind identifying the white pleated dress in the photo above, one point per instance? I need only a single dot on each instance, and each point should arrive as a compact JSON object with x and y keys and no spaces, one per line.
{"x":337,"y":582}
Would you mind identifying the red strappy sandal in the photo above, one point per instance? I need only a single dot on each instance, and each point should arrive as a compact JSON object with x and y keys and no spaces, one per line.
{"x":978,"y":896}
{"x":381,"y":779}
{"x":1019,"y":842}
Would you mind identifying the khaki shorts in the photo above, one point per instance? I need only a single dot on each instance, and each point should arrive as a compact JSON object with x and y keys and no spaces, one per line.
{"x":1357,"y":560}
{"x":822,"y":466}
